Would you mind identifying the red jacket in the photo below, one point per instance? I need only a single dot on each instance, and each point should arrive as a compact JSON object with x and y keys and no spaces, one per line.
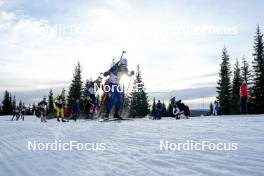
{"x":243,"y":91}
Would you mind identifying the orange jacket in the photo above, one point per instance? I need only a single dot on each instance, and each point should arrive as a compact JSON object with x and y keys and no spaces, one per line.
{"x":243,"y":91}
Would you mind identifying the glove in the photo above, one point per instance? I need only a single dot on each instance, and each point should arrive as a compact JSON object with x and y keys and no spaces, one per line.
{"x":105,"y":74}
{"x":132,"y":73}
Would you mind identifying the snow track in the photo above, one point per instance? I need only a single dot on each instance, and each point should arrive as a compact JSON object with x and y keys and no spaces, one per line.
{"x":133,"y":147}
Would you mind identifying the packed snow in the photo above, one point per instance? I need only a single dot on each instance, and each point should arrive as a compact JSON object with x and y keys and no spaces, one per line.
{"x":133,"y":147}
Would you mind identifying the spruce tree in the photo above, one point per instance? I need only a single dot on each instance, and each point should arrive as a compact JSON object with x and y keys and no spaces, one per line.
{"x":164,"y":110}
{"x":75,"y":90}
{"x":211,"y":108}
{"x":258,"y":68}
{"x":14,"y":103}
{"x":20,"y":104}
{"x":29,"y":110}
{"x":138,"y":97}
{"x":7,"y":108}
{"x":245,"y":72}
{"x":224,"y":85}
{"x":34,"y":108}
{"x":153,"y":110}
{"x":235,"y":97}
{"x":170,"y":111}
{"x":50,"y":101}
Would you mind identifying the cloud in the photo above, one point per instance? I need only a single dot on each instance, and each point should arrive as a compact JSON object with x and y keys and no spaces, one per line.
{"x":25,"y":83}
{"x":36,"y":51}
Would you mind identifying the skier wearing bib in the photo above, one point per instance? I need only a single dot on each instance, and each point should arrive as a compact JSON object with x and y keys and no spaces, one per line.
{"x":116,"y":93}
{"x":89,"y":93}
{"x":59,"y":104}
{"x":16,"y":113}
{"x":23,"y":111}
{"x":43,"y":110}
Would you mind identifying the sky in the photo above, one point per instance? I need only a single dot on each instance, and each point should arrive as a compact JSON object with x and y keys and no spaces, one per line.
{"x":177,"y":44}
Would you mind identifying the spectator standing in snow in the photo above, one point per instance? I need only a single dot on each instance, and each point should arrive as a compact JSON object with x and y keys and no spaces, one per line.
{"x":173,"y":104}
{"x":243,"y":98}
{"x":158,"y":110}
{"x":216,"y":107}
{"x":75,"y":109}
{"x":43,"y":110}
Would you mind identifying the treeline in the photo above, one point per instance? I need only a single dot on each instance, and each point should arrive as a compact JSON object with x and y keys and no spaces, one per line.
{"x":135,"y":103}
{"x":9,"y":104}
{"x":251,"y":74}
{"x":167,"y":111}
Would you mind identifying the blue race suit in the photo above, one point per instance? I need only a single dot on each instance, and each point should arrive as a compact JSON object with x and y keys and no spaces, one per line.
{"x":115,"y":95}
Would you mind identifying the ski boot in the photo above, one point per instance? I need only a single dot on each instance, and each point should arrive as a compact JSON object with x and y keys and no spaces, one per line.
{"x":106,"y":117}
{"x":117,"y":116}
{"x":58,"y":119}
{"x":63,"y":120}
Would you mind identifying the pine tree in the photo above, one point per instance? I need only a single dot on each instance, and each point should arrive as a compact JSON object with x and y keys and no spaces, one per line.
{"x":7,"y":108}
{"x":153,"y":110}
{"x":164,"y":110}
{"x":75,"y":90}
{"x":29,"y":110}
{"x":14,"y":103}
{"x":138,"y":98}
{"x":50,"y":100}
{"x":245,"y":72}
{"x":20,"y":104}
{"x":224,"y":84}
{"x":170,"y":111}
{"x":258,"y":67}
{"x":235,"y":97}
{"x":211,"y":108}
{"x":34,"y":108}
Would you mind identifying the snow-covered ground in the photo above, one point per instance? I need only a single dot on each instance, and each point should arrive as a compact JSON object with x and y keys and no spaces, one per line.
{"x":133,"y":147}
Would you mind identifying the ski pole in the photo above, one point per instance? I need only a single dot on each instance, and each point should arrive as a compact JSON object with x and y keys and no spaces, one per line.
{"x":128,"y":86}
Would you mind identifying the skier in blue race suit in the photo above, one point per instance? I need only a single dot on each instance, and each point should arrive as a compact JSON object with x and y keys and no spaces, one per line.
{"x":115,"y":93}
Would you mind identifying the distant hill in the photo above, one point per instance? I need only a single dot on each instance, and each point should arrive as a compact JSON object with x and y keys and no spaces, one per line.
{"x":199,"y":112}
